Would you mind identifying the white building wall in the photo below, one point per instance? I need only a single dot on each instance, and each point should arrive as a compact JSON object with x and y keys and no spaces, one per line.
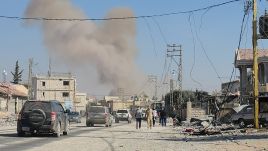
{"x":59,"y":88}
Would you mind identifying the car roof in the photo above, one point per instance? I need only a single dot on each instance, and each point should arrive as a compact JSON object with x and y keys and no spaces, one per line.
{"x":43,"y":101}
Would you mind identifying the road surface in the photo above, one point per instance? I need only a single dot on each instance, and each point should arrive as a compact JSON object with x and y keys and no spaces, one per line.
{"x":124,"y":137}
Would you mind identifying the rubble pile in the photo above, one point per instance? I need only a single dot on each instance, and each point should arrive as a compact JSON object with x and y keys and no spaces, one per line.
{"x":205,"y":127}
{"x":7,"y":119}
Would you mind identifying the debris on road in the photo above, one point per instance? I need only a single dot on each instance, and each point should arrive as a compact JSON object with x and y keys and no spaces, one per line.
{"x":7,"y":119}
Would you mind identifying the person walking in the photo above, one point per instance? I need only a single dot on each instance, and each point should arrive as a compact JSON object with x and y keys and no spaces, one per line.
{"x":163,"y":116}
{"x":138,"y":116}
{"x":149,"y":116}
{"x":154,"y":116}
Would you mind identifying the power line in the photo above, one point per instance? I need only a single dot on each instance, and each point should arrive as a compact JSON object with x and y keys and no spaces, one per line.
{"x":205,"y":52}
{"x":242,"y":29}
{"x":161,"y":32}
{"x":119,"y":18}
{"x":194,"y":45}
{"x":151,"y":35}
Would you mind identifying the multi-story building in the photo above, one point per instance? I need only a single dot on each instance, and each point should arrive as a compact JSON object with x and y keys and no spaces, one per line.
{"x":61,"y":87}
{"x":244,"y":62}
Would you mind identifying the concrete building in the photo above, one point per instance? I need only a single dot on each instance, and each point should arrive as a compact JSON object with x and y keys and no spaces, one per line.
{"x":61,"y":87}
{"x":80,"y":102}
{"x":244,"y":62}
{"x":231,"y":88}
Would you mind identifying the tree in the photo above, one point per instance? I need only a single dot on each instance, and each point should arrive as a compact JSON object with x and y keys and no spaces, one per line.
{"x":17,"y":74}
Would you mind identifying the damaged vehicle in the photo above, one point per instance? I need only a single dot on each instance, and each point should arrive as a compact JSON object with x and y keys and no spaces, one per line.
{"x":244,"y":116}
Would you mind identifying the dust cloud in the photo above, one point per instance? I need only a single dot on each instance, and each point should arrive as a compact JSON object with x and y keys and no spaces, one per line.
{"x":107,"y":46}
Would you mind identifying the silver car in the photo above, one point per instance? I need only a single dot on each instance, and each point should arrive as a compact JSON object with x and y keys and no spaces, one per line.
{"x":98,"y":115}
{"x":244,"y":116}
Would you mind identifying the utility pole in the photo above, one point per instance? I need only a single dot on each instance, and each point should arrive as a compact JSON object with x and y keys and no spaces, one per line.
{"x":30,"y":78}
{"x":255,"y":66}
{"x":176,"y":50}
{"x":171,"y":95}
{"x":153,"y":78}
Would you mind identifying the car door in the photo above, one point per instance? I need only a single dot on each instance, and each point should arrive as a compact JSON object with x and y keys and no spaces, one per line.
{"x":61,"y":116}
{"x":248,"y":114}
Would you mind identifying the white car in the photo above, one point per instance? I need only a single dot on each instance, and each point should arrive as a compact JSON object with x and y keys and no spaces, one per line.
{"x":123,"y":115}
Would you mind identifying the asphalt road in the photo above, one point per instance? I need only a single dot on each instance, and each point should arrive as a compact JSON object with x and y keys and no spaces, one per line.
{"x":124,"y":137}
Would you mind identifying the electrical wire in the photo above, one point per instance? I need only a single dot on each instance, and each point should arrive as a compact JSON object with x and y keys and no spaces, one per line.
{"x":238,"y":47}
{"x":151,"y":35}
{"x":119,"y":18}
{"x":160,"y":30}
{"x":205,"y":52}
{"x":194,"y":45}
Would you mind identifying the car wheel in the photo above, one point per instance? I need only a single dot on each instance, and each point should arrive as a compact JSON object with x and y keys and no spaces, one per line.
{"x":58,"y":129}
{"x":241,"y":123}
{"x":21,"y":134}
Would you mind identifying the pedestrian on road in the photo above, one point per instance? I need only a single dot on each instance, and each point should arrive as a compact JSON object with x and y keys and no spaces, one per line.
{"x":149,"y":115}
{"x":138,"y":116}
{"x":154,"y":116}
{"x":163,"y":116}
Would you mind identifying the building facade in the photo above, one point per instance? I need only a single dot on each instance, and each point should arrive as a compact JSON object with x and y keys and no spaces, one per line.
{"x":61,"y":87}
{"x":244,"y":62}
{"x":80,"y":102}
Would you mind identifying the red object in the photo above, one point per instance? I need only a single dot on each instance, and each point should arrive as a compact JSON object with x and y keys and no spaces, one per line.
{"x":53,"y":116}
{"x":189,"y":130}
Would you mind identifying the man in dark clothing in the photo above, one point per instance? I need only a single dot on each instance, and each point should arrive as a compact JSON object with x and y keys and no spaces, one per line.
{"x":163,"y":116}
{"x":138,"y":116}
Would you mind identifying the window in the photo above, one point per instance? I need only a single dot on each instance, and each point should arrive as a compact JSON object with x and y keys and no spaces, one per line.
{"x":43,"y":94}
{"x":43,"y":83}
{"x":66,"y":83}
{"x":65,"y":94}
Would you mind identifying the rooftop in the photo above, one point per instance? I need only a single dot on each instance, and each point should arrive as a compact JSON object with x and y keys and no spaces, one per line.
{"x":245,"y":56}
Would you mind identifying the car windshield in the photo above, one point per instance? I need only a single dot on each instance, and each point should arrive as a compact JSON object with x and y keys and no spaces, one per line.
{"x":122,"y":111}
{"x":31,"y":105}
{"x":97,"y":109}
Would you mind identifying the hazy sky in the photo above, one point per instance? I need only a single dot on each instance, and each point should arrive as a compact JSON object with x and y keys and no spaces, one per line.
{"x":215,"y":34}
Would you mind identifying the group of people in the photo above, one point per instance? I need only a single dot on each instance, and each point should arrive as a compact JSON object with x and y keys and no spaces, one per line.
{"x":151,"y":115}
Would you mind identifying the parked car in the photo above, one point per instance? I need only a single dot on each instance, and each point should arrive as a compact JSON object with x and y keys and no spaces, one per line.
{"x":244,"y":116}
{"x":98,"y":115}
{"x":43,"y":117}
{"x":123,"y":115}
{"x":74,"y":117}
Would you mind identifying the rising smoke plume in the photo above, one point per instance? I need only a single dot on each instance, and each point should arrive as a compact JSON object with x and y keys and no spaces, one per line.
{"x":108,"y":46}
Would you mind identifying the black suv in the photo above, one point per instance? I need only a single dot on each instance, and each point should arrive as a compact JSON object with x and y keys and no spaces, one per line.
{"x":43,"y":117}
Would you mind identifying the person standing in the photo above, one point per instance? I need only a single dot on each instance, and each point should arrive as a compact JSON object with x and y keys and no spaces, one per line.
{"x":163,"y":116}
{"x":138,"y":116}
{"x":154,"y":116}
{"x":149,"y":116}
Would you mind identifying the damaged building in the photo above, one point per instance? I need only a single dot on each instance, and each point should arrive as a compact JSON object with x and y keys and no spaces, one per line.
{"x":244,"y":62}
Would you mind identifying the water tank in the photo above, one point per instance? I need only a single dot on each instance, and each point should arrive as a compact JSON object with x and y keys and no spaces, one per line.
{"x":263,"y":26}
